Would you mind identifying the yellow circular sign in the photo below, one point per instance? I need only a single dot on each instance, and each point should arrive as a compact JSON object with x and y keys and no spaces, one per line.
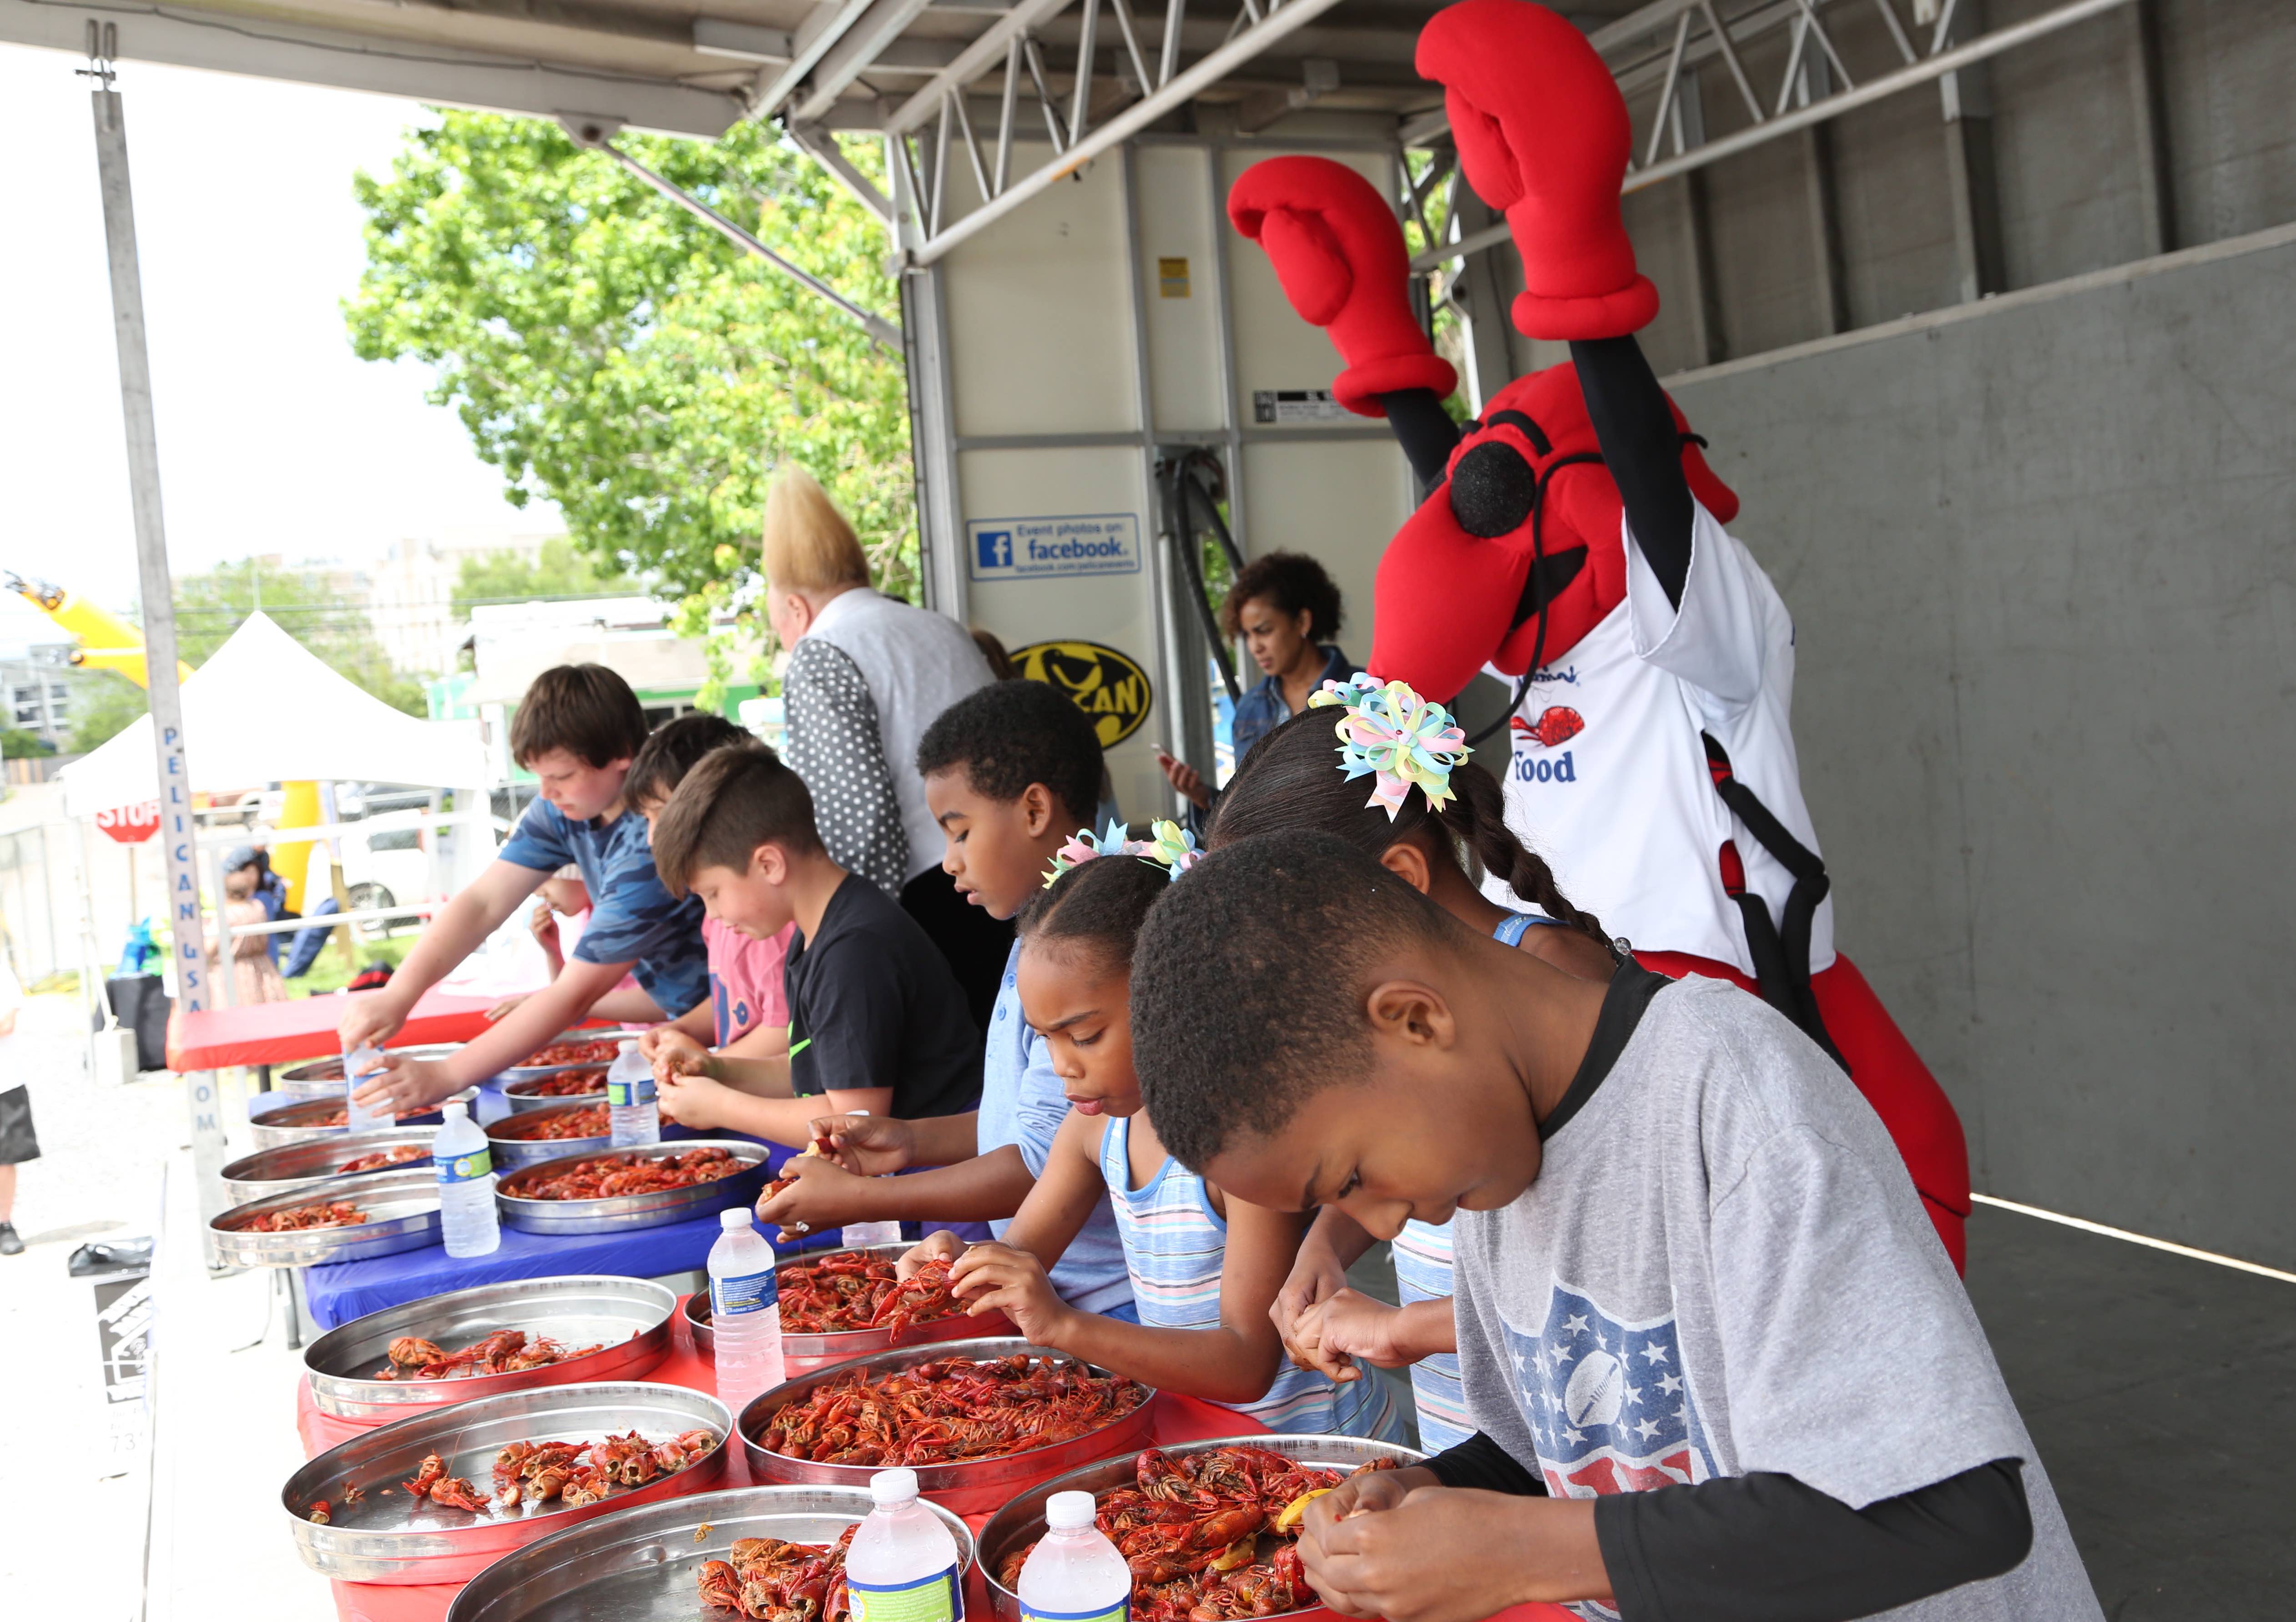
{"x":1106,"y":685}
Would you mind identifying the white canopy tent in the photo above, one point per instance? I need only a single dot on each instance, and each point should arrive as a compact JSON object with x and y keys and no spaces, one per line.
{"x":264,"y":709}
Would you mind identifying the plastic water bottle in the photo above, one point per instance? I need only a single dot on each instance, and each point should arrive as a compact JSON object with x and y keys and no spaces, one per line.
{"x":466,"y":1185}
{"x":902,"y":1566}
{"x":745,"y":1311}
{"x":856,"y":1235}
{"x":1075,"y":1574}
{"x":360,"y":1063}
{"x":630,"y":1109}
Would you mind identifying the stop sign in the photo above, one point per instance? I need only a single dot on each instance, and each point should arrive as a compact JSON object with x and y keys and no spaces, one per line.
{"x":131,"y":825}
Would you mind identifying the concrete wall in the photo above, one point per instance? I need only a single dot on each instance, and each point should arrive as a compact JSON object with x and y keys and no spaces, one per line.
{"x":2041,"y":558}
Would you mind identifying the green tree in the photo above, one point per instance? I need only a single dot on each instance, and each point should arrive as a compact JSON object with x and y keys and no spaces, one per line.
{"x":312,"y":605}
{"x":104,"y":705}
{"x":17,"y":743}
{"x":608,"y":351}
{"x":558,"y":571}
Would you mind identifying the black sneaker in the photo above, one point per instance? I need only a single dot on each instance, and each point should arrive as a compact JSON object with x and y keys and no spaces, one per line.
{"x":10,"y":1245}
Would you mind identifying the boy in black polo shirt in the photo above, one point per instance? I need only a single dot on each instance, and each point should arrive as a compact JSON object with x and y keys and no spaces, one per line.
{"x":876,"y":1021}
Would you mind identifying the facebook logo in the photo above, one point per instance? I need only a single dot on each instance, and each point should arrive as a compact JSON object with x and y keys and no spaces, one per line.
{"x":1043,"y":548}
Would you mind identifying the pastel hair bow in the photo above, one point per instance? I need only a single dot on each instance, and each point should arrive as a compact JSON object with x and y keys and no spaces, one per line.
{"x":1172,"y":846}
{"x":1084,"y":845}
{"x":1391,"y":734}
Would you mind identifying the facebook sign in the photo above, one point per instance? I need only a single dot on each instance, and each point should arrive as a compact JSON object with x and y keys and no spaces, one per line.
{"x":1044,"y":548}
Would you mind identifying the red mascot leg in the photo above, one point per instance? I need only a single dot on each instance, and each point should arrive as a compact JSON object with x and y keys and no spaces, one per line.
{"x":1883,"y":1066}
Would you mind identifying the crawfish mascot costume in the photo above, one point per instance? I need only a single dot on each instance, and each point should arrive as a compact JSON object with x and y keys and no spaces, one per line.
{"x":1574,"y":544}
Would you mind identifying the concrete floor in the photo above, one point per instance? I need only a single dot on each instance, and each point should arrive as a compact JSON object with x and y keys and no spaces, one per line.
{"x":219,"y":1547}
{"x":2161,"y":1395}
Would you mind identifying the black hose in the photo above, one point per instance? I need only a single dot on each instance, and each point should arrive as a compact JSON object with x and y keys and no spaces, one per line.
{"x":1181,"y":487}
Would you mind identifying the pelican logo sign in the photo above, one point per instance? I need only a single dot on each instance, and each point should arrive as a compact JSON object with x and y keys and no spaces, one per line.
{"x":1106,"y":685}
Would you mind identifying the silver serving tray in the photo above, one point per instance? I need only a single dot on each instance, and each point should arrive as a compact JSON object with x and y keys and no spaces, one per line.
{"x":627,"y":1211}
{"x":1021,"y":1521}
{"x":640,"y":1565}
{"x":315,"y":1160}
{"x":969,"y":1487}
{"x":291,"y":1122}
{"x":514,"y":1094}
{"x":401,"y":1204}
{"x":327,"y":1074}
{"x":388,"y":1536}
{"x":630,"y":1316}
{"x":802,"y":1353}
{"x":511,"y":1152}
{"x":611,"y":1035}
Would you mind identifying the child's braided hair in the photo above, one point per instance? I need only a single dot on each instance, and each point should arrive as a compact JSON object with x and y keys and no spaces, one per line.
{"x":1101,"y":903}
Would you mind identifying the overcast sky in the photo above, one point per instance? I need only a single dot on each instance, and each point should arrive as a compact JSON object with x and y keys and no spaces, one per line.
{"x":273,"y":437}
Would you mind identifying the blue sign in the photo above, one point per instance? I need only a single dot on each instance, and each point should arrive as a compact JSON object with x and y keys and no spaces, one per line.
{"x":1043,"y":548}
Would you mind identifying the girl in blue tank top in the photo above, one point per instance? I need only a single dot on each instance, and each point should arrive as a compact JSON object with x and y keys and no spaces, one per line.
{"x":1442,"y":844}
{"x":1204,"y":1268}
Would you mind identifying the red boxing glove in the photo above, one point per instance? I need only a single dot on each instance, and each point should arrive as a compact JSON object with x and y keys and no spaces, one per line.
{"x":1339,"y":253}
{"x":1543,"y":136}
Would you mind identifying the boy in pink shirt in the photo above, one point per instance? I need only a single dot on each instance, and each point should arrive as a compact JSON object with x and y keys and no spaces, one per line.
{"x":748,"y":1011}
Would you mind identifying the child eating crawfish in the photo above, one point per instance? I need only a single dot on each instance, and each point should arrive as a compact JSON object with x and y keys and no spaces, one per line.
{"x":1717,"y":1363}
{"x":1204,"y":1267}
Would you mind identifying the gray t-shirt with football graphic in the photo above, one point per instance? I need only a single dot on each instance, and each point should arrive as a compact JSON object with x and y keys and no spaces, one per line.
{"x":1723,"y":1267}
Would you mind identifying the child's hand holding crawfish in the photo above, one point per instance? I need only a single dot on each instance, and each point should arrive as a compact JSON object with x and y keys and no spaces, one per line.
{"x":999,"y":1278}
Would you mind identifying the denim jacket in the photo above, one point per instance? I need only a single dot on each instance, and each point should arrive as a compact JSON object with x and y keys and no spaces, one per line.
{"x":1260,"y":710}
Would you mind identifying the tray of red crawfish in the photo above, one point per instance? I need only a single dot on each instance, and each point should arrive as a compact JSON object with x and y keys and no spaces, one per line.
{"x":569,"y":1047}
{"x":576,"y":1084}
{"x":438,"y":1497}
{"x":775,"y":1552}
{"x":279,"y":1171}
{"x":1209,"y":1528}
{"x":509,"y":1335}
{"x":563,"y":1128}
{"x":645,"y":1187}
{"x":977,"y":1420}
{"x":343,"y":1219}
{"x":848,"y":1304}
{"x":297,"y":1120}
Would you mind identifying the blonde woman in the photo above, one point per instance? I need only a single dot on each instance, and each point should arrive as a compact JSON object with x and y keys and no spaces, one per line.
{"x":867,"y":674}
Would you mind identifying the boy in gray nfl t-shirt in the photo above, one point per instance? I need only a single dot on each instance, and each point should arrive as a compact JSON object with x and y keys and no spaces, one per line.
{"x":1720,"y":1365}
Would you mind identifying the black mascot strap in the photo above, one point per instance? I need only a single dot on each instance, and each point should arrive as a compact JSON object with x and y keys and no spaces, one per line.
{"x":1781,"y":956}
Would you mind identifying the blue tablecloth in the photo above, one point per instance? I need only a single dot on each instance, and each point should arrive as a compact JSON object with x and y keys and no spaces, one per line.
{"x":343,"y":1291}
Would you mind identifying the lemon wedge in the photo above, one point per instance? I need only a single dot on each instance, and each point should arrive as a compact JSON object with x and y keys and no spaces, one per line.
{"x":1237,"y":1553}
{"x":1295,"y":1511}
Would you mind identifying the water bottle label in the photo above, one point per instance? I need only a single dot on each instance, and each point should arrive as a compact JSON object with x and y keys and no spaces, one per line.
{"x":466,"y":1168}
{"x":1114,"y":1613}
{"x":742,"y":1292}
{"x":622,"y":1094}
{"x":932,"y":1599}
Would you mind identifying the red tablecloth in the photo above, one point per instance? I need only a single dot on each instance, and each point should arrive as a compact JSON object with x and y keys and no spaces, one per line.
{"x":283,"y":1033}
{"x":1176,"y":1418}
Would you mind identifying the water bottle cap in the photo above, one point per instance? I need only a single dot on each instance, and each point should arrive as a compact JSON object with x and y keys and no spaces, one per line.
{"x":1068,"y":1512}
{"x":455,"y":1113}
{"x":736,"y":1221}
{"x":627,"y":1047}
{"x":888,"y":1488}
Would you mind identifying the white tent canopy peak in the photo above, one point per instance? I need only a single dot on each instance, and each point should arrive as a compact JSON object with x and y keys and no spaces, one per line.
{"x":264,"y":708}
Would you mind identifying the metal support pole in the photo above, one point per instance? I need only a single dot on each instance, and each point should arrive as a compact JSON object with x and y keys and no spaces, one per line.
{"x":158,"y":593}
{"x":1491,"y":358}
{"x":2155,"y":196}
{"x":1830,"y":283}
{"x":590,"y":133}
